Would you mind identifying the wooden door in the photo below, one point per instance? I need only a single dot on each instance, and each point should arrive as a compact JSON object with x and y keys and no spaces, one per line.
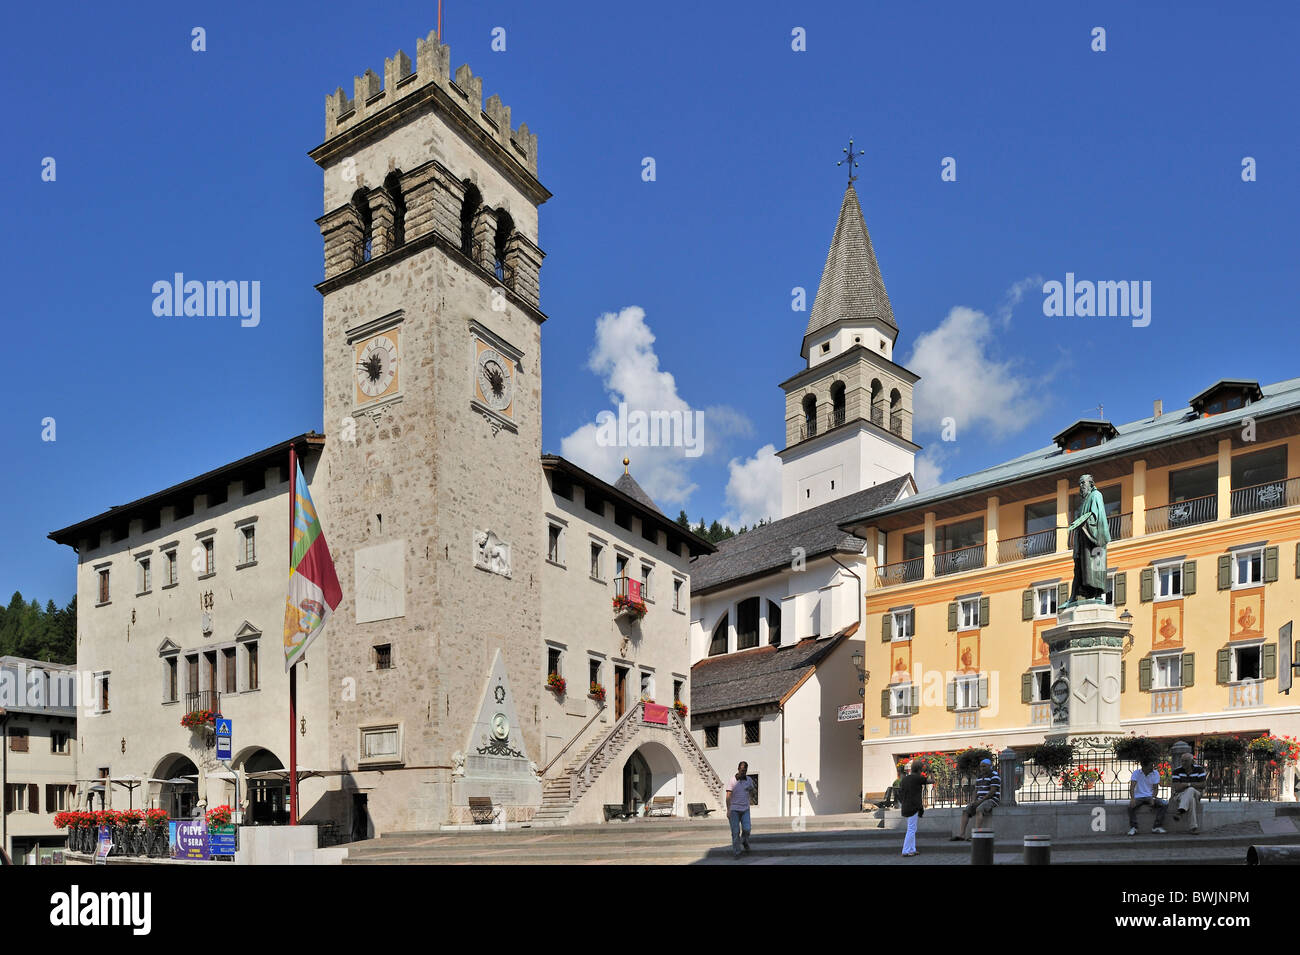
{"x":620,"y":680}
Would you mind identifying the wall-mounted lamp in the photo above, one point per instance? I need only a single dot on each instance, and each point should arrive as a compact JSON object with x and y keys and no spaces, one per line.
{"x":864,"y":676}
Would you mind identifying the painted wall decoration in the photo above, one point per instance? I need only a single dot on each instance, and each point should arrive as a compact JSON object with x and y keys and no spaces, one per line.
{"x":1039,"y":654}
{"x":968,"y":652}
{"x":901,"y":657}
{"x":1167,"y":625}
{"x":1247,"y":612}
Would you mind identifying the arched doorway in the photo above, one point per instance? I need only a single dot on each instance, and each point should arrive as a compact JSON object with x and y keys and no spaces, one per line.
{"x":651,"y":771}
{"x":178,"y":791}
{"x":268,"y":798}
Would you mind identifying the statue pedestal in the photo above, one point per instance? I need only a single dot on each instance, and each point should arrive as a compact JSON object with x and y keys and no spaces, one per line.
{"x":1085,"y":648}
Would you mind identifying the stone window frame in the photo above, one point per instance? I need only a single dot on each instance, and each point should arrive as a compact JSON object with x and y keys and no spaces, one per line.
{"x":103,"y":584}
{"x":757,"y":723}
{"x":602,"y":544}
{"x":1041,"y":687}
{"x":203,"y":539}
{"x":244,"y":527}
{"x":679,"y":588}
{"x":714,"y":729}
{"x":171,"y":563}
{"x":397,"y":758}
{"x":561,"y":526}
{"x":143,"y":572}
{"x":1238,"y":645}
{"x":1157,"y":567}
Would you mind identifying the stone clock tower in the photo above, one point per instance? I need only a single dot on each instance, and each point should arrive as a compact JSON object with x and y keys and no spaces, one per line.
{"x":432,"y":412}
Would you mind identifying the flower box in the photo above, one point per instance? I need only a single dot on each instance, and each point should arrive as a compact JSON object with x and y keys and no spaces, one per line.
{"x":629,"y":607}
{"x":597,"y":693}
{"x":555,"y":683}
{"x":200,"y":719}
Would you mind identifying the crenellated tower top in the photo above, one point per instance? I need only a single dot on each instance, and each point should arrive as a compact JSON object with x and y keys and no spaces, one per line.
{"x":433,"y":67}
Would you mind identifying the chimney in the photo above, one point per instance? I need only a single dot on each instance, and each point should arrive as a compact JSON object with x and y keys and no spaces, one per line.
{"x":1158,"y":409}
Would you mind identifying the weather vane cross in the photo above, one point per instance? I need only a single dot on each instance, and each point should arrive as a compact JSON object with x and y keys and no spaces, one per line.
{"x":851,"y":158}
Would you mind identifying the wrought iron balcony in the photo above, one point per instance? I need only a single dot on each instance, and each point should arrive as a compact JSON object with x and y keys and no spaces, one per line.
{"x":955,"y":561}
{"x":1121,"y":527}
{"x":837,"y":417}
{"x":1030,"y":545}
{"x":1265,"y":497}
{"x":878,"y":417}
{"x":902,"y":572}
{"x":203,"y":700}
{"x":896,"y":424}
{"x":1196,"y":510}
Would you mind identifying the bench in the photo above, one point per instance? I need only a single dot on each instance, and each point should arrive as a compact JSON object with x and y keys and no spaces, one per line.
{"x":698,"y":809}
{"x":661,"y":806}
{"x":482,"y":811}
{"x":886,"y":800}
{"x":616,"y":811}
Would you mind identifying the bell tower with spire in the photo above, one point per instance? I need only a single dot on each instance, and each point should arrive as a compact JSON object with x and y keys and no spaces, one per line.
{"x":848,"y":414}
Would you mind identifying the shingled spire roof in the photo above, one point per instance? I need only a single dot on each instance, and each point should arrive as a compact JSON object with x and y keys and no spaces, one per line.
{"x":627,"y":484}
{"x":851,"y":285}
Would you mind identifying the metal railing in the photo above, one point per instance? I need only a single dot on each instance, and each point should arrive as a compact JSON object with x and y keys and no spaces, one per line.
{"x":896,"y":424}
{"x":203,"y":700}
{"x":905,"y":571}
{"x":1265,"y":497}
{"x":878,"y":416}
{"x":837,"y":417}
{"x":955,"y":561}
{"x":1196,"y":510}
{"x":1030,"y":545}
{"x":1120,"y":526}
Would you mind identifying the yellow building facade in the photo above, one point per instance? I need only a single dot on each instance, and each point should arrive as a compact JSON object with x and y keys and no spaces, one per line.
{"x":1204,"y":567}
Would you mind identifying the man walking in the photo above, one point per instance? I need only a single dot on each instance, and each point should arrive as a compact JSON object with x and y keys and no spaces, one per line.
{"x":988,"y":790}
{"x":740,"y":795}
{"x":1142,"y":791}
{"x":911,"y":795}
{"x":1188,"y":783}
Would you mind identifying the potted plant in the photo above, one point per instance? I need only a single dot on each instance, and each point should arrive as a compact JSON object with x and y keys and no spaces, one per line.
{"x":636,"y":609}
{"x":1052,"y":758}
{"x":218,"y":817}
{"x":155,"y":824}
{"x":969,"y":759}
{"x":555,"y":683}
{"x":132,"y":821}
{"x":597,"y":692}
{"x":1081,"y":778}
{"x":680,"y":707}
{"x":1138,"y":749}
{"x":1222,"y":748}
{"x":200,"y":719}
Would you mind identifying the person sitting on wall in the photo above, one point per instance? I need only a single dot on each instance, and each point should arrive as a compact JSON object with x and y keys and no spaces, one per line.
{"x":1142,"y":791}
{"x":988,"y":789}
{"x":1188,"y":784}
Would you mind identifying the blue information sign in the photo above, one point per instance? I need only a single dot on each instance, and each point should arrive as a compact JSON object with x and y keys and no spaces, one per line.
{"x":221,"y":841}
{"x":225,"y":730}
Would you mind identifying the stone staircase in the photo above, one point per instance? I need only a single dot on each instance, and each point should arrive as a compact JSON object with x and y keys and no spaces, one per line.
{"x":561,"y":792}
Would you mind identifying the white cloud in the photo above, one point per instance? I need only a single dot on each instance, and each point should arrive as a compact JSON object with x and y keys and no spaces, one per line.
{"x":754,"y":488}
{"x":624,"y":356}
{"x":963,"y":378}
{"x":929,"y":469}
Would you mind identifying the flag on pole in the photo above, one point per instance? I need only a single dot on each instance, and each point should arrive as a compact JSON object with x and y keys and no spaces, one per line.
{"x":314,"y":589}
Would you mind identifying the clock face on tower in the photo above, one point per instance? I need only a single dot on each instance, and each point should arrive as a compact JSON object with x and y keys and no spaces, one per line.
{"x":376,"y":367}
{"x":494,"y":380}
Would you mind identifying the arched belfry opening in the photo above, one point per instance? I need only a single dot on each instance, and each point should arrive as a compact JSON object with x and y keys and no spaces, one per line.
{"x":469,"y":208}
{"x":393,"y":186}
{"x":505,"y":229}
{"x":896,"y":411}
{"x":837,"y":404}
{"x":361,"y":202}
{"x":877,"y":402}
{"x":810,"y":415}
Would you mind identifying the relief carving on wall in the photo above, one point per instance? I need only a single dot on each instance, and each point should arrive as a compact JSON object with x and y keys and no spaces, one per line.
{"x":491,"y":553}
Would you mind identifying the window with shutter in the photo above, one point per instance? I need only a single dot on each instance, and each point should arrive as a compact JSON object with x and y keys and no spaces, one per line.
{"x":1026,"y":688}
{"x":1146,"y":584}
{"x":952,"y":616}
{"x":951,"y":695}
{"x":984,"y":611}
{"x":887,"y":628}
{"x":33,"y":797}
{"x":1189,"y":577}
{"x":1189,"y":669}
{"x":1144,"y":674}
{"x":1062,"y":594}
{"x":1121,"y":589}
{"x":1225,"y":571}
{"x":915,"y":694}
{"x":884,"y":703}
{"x":1027,"y":605}
{"x":1270,"y":661}
{"x":984,"y":691}
{"x":1223,"y":666}
{"x":17,"y":740}
{"x":1123,"y":675}
{"x":1270,"y":564}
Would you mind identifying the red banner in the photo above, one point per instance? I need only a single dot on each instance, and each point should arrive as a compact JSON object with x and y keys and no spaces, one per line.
{"x":634,"y":590}
{"x":656,"y":713}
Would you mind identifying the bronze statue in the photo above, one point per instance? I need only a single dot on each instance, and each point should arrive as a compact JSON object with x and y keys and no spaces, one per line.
{"x":1092,"y":534}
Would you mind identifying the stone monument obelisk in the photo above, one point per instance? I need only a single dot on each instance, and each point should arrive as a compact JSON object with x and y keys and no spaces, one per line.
{"x":1086,"y":644}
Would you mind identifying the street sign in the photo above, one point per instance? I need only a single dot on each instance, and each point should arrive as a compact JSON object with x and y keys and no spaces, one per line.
{"x":221,"y":841}
{"x":850,"y":711}
{"x":191,"y":840}
{"x":225,"y":730}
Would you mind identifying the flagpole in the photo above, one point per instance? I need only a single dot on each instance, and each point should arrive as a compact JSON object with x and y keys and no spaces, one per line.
{"x":293,"y":672}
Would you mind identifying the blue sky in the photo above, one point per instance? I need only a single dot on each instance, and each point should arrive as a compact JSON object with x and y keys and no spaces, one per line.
{"x":1122,"y":165}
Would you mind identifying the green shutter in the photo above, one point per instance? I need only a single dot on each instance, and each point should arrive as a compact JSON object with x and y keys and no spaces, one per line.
{"x":1121,"y":589}
{"x":915,"y":701}
{"x":1027,"y":604}
{"x":1026,"y":688}
{"x":1144,"y":674}
{"x":1223,"y":666}
{"x":984,"y":611}
{"x":884,"y":702}
{"x":1189,"y":577}
{"x":984,"y":691}
{"x":1123,"y":675}
{"x":1297,"y":561}
{"x":1062,"y":594}
{"x":952,"y":616}
{"x":1270,"y":661}
{"x":1225,"y":571}
{"x":887,"y":628}
{"x":1147,"y":584}
{"x":1189,"y":669}
{"x":950,"y":693}
{"x":1270,"y":564}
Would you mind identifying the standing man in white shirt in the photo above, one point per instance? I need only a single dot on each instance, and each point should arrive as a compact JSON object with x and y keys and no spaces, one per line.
{"x":1142,"y":790}
{"x":740,"y":795}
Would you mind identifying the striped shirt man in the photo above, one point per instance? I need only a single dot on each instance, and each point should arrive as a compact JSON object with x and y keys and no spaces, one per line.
{"x":988,"y":787}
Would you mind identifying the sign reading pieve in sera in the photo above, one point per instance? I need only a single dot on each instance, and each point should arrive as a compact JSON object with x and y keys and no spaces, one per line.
{"x":850,"y":711}
{"x":225,"y":732}
{"x":192,"y":840}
